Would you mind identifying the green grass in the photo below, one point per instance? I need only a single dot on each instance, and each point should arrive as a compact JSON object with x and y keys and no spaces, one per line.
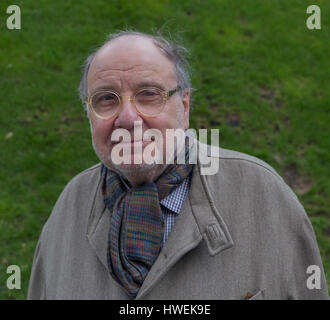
{"x":259,"y":75}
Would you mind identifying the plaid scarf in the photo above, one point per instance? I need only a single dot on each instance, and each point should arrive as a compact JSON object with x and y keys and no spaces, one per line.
{"x":136,"y":223}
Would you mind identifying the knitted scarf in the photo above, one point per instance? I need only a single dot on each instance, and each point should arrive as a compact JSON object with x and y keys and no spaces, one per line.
{"x":136,"y":223}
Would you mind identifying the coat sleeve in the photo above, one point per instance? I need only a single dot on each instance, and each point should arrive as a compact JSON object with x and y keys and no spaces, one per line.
{"x":36,"y":290}
{"x":42,"y":259}
{"x":309,"y":281}
{"x":304,"y":270}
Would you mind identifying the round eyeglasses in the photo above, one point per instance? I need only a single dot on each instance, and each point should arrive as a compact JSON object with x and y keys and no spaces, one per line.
{"x":148,"y":102}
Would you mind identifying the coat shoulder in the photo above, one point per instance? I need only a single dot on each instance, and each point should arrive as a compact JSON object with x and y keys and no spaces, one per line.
{"x":242,"y":174}
{"x":87,"y":174}
{"x":77,"y":196}
{"x":236,"y":158}
{"x":83,"y":183}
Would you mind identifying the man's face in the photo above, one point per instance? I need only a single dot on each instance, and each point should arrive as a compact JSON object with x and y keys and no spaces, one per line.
{"x":126,"y":65}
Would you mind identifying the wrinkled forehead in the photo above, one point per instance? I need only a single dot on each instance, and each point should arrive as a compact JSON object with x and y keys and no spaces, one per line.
{"x":135,"y":54}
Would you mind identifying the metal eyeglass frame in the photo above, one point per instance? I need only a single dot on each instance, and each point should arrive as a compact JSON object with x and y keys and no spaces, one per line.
{"x":166,"y":95}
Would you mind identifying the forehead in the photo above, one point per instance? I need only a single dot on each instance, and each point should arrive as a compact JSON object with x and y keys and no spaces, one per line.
{"x":129,"y":60}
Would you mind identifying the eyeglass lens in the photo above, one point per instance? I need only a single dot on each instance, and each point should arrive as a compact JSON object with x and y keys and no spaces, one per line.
{"x":148,"y":101}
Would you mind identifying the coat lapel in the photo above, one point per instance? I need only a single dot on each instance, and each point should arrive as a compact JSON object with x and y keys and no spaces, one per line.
{"x":207,"y":215}
{"x":184,"y":237}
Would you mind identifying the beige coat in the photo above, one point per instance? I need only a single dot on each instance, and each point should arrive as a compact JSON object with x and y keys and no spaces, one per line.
{"x":240,"y":230}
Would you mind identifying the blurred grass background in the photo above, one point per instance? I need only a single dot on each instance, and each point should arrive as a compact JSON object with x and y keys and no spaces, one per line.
{"x":259,"y":75}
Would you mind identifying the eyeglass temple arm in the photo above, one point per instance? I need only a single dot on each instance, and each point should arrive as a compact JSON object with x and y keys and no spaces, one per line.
{"x":171,"y":92}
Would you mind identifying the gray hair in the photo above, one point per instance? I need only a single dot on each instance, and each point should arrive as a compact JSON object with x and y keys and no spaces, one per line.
{"x":176,"y":53}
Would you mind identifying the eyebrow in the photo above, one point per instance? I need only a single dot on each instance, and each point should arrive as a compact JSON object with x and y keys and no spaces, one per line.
{"x":105,"y":87}
{"x":142,"y":84}
{"x":147,"y":83}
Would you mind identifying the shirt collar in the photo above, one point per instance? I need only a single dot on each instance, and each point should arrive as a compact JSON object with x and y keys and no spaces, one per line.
{"x":174,"y":201}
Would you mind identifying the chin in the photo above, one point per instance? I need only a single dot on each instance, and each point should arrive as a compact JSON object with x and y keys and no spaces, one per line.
{"x":133,"y":172}
{"x":132,"y":168}
{"x":138,"y":174}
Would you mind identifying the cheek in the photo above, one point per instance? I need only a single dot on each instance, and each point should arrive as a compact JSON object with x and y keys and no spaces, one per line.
{"x":171,"y":120}
{"x":101,"y":130}
{"x":178,"y":115}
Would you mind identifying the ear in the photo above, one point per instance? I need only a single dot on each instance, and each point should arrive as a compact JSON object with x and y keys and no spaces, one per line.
{"x":186,"y":107}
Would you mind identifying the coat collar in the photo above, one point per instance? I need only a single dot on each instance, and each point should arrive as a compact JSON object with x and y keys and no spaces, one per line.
{"x":199,"y":219}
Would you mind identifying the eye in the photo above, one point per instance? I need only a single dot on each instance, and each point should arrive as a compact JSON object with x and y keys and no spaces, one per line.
{"x":148,"y":94}
{"x":105,"y":99}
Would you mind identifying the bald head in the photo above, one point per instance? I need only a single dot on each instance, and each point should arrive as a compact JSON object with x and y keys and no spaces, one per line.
{"x":126,"y":58}
{"x":127,"y":47}
{"x":175,"y":54}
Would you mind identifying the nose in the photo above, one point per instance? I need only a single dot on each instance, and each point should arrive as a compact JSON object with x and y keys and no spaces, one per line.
{"x":127,"y":115}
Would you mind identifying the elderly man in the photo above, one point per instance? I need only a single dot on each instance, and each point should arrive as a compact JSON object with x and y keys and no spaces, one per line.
{"x":162,"y":229}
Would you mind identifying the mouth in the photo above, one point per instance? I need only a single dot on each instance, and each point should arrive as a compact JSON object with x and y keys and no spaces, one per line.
{"x":133,"y":142}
